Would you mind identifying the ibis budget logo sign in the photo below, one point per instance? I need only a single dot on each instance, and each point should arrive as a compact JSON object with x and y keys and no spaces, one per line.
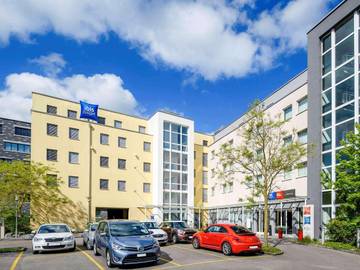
{"x":89,"y":111}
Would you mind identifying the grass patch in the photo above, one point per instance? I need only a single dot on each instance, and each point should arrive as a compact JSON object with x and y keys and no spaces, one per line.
{"x":270,"y":250}
{"x":341,"y":246}
{"x":12,"y":249}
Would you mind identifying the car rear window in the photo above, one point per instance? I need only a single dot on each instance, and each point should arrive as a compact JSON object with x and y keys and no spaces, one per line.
{"x":241,"y":230}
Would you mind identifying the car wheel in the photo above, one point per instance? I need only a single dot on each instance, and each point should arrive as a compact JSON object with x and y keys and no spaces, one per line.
{"x":226,"y":249}
{"x":174,"y":239}
{"x":88,"y":245}
{"x":196,"y":243}
{"x":73,"y":248}
{"x":96,"y":252}
{"x":109,"y":262}
{"x":35,"y":252}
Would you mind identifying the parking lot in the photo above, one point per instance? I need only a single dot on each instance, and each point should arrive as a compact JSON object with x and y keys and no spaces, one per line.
{"x":183,"y":256}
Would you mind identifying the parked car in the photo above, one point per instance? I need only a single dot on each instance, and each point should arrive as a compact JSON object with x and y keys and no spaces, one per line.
{"x":88,"y":235}
{"x":228,"y":238}
{"x":178,"y":231}
{"x":125,"y":243}
{"x":53,"y":237}
{"x":159,"y":234}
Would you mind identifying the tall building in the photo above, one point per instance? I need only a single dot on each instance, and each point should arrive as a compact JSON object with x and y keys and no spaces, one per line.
{"x":14,"y":140}
{"x":122,"y":166}
{"x":228,"y":201}
{"x":333,"y":77}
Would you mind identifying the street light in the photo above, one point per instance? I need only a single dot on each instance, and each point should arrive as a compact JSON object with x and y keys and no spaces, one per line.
{"x":16,"y":215}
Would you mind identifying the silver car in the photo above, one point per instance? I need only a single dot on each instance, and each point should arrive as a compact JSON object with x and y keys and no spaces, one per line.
{"x":88,"y":235}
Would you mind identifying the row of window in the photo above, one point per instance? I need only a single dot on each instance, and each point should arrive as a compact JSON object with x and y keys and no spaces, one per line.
{"x":19,"y":131}
{"x":73,"y":182}
{"x":101,"y":120}
{"x":52,"y":130}
{"x":73,"y":158}
{"x":17,"y":147}
{"x":302,"y":106}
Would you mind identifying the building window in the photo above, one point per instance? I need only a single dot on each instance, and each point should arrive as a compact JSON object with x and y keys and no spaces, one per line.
{"x":122,"y":142}
{"x":146,"y":167}
{"x":104,"y":184}
{"x":1,"y":129}
{"x":117,"y":124}
{"x":71,"y":114}
{"x":142,"y":129}
{"x":51,"y":109}
{"x":104,"y":139}
{"x":146,"y":187}
{"x":51,"y":180}
{"x":205,"y":159}
{"x":73,"y":133}
{"x":302,"y":169}
{"x":302,"y":136}
{"x":231,"y":186}
{"x":288,"y":113}
{"x":51,"y":154}
{"x":73,"y":158}
{"x":302,"y":105}
{"x":122,"y":164}
{"x":104,"y":161}
{"x":101,"y":120}
{"x":73,"y":182}
{"x":287,"y":175}
{"x":205,"y":195}
{"x":16,"y":147}
{"x":147,"y":146}
{"x":205,"y":143}
{"x":287,"y":140}
{"x":21,"y":131}
{"x":52,"y":130}
{"x":121,"y":185}
{"x":205,"y":177}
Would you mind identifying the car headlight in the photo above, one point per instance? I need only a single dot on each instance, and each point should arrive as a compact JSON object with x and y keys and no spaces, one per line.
{"x":117,"y":246}
{"x":37,"y":239}
{"x":69,"y":238}
{"x":181,"y":232}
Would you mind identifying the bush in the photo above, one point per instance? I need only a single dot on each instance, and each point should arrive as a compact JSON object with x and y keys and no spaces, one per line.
{"x":270,"y":250}
{"x":306,"y":240}
{"x":341,"y":231}
{"x":341,"y":246}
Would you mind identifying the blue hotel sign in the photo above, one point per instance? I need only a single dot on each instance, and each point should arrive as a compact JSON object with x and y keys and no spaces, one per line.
{"x":89,"y":111}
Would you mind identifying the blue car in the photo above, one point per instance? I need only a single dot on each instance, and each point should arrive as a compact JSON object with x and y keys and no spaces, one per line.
{"x":125,"y":243}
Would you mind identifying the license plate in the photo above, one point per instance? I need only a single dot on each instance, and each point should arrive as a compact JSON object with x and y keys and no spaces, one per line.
{"x":53,"y":244}
{"x":141,"y":255}
{"x":253,"y":247}
{"x":190,"y":237}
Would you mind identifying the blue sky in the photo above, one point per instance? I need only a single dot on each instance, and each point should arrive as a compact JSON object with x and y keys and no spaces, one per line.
{"x":190,"y":66}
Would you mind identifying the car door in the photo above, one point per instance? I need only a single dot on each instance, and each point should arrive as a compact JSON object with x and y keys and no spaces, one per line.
{"x":166,"y":227}
{"x":208,"y":235}
{"x":104,"y":237}
{"x":219,"y":235}
{"x":99,"y":236}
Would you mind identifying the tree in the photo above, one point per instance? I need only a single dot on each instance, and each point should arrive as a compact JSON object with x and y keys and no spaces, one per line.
{"x":37,"y":188}
{"x":261,"y":156}
{"x":347,"y":187}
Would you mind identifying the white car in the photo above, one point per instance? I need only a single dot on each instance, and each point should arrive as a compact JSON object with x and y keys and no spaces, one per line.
{"x":159,"y":234}
{"x":53,"y":237}
{"x":88,"y":235}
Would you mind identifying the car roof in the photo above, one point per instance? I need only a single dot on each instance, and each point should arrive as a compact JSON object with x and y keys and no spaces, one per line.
{"x":120,"y":221}
{"x":224,"y":224}
{"x":54,"y":224}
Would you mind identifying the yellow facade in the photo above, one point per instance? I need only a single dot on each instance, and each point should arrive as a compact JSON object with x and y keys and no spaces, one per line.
{"x":133,"y":198}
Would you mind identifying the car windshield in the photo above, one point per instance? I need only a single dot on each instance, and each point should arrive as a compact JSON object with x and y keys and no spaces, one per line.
{"x":128,"y":229}
{"x":93,"y":227}
{"x":240,"y":230}
{"x":180,"y":225}
{"x":53,"y":229}
{"x":151,"y":225}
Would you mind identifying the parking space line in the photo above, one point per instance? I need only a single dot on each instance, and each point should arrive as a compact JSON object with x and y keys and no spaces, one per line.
{"x":171,"y":262}
{"x":16,"y":261}
{"x":91,"y":259}
{"x":200,"y":252}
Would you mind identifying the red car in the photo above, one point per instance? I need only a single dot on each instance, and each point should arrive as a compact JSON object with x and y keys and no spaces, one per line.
{"x":228,"y":238}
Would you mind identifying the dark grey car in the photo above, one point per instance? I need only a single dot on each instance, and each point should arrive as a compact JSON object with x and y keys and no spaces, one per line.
{"x":125,"y":243}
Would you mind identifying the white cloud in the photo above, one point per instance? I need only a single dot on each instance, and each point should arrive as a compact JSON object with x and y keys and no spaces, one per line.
{"x":52,"y":64}
{"x":107,"y":90}
{"x":199,"y":37}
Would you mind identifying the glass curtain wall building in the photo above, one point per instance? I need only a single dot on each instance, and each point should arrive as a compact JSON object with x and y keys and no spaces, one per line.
{"x":340,"y":100}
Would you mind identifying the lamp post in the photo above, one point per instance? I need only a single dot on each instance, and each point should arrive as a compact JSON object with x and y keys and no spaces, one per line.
{"x":16,"y":215}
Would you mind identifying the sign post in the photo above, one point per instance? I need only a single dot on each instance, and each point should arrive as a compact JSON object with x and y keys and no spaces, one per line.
{"x":90,"y":112}
{"x":308,"y":220}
